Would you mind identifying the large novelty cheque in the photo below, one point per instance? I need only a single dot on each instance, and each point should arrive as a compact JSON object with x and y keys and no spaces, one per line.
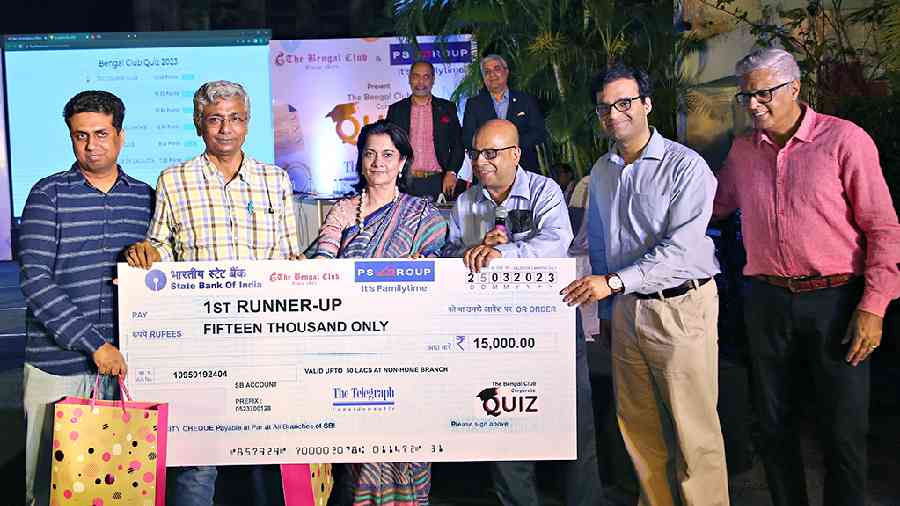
{"x":354,"y":360}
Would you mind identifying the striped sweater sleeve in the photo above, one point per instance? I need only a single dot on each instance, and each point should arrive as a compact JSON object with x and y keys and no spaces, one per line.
{"x":47,"y":301}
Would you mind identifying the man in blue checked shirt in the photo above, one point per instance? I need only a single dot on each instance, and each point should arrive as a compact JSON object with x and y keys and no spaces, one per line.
{"x":536,"y":226}
{"x":75,"y":225}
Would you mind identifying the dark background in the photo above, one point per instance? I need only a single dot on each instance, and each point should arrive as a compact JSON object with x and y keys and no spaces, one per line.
{"x":288,"y":19}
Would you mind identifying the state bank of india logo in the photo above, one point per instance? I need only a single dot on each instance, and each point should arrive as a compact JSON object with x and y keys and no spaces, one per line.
{"x":155,"y":280}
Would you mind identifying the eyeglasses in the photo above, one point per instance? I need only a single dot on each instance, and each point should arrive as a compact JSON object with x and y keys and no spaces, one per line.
{"x":489,"y":154}
{"x":216,"y":121}
{"x":620,"y":105}
{"x":761,"y":96}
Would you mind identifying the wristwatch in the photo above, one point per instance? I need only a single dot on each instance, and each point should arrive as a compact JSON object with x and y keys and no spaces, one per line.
{"x":615,"y":283}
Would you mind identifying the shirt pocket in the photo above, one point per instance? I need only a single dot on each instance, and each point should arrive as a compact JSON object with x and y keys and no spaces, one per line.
{"x":814,"y":163}
{"x":647,"y":211}
{"x":262,"y":232}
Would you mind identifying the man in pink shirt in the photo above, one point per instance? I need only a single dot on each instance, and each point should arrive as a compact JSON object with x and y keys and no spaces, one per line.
{"x":434,"y":132}
{"x":823,"y":244}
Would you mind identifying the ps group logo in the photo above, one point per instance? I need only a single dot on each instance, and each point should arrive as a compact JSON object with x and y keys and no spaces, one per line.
{"x":434,"y":52}
{"x":155,"y":280}
{"x":394,"y":272}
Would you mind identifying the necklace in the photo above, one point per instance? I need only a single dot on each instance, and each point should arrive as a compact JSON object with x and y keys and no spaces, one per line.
{"x":364,"y":201}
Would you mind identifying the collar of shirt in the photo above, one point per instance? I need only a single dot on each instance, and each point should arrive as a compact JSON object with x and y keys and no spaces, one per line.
{"x":520,"y":188}
{"x":804,"y":132}
{"x":426,"y":104}
{"x":76,"y":176}
{"x":654,"y":150}
{"x":246,"y":173}
{"x":504,"y":97}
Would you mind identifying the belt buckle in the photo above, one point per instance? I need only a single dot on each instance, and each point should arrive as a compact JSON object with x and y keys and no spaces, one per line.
{"x":792,"y":287}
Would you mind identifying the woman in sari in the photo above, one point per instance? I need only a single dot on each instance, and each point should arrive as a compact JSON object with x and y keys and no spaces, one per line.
{"x":382,"y":222}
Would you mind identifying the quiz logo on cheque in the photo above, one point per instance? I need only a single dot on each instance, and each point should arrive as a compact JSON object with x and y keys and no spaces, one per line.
{"x":394,"y":271}
{"x":496,"y":401}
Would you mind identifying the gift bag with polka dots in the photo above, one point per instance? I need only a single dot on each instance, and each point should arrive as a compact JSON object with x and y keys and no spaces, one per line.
{"x":306,"y":484}
{"x":108,"y":453}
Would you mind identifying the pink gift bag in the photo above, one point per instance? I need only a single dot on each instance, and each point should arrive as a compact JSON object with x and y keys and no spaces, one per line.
{"x":108,"y":453}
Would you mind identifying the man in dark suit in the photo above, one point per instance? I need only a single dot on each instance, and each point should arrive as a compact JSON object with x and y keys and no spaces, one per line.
{"x":434,"y":132}
{"x":496,"y":100}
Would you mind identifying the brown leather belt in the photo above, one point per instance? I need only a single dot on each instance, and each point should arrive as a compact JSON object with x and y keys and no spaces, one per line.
{"x":674,"y":291}
{"x":419,"y":174}
{"x":799,"y":284}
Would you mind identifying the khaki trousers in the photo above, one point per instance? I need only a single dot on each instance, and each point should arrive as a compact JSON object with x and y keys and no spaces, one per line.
{"x":665,"y":374}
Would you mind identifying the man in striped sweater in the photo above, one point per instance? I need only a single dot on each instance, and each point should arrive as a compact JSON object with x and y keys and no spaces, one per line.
{"x":74,"y":228}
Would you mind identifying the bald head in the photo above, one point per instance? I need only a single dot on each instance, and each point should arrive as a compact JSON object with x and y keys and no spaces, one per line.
{"x":500,"y":129}
{"x":497,"y":141}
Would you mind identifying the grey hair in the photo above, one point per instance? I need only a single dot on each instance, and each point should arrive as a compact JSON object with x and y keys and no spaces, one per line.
{"x":779,"y":61}
{"x":493,"y":57}
{"x":212,"y":92}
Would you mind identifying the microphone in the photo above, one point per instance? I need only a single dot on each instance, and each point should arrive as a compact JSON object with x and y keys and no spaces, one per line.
{"x":500,"y":214}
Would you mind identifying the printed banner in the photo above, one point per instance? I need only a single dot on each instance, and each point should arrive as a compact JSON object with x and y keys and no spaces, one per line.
{"x":325,"y":91}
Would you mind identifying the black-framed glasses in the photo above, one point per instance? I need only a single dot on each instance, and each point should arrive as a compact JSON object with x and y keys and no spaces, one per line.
{"x":620,"y":105}
{"x":761,"y":96}
{"x":489,"y":154}
{"x":216,"y":121}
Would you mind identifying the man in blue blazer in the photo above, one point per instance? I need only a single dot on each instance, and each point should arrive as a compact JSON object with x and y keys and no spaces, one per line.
{"x":434,"y":133}
{"x":496,"y":100}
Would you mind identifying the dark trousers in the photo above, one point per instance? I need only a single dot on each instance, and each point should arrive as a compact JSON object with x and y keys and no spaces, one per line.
{"x":260,"y":485}
{"x":783,"y":327}
{"x":515,"y":481}
{"x":430,"y":186}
